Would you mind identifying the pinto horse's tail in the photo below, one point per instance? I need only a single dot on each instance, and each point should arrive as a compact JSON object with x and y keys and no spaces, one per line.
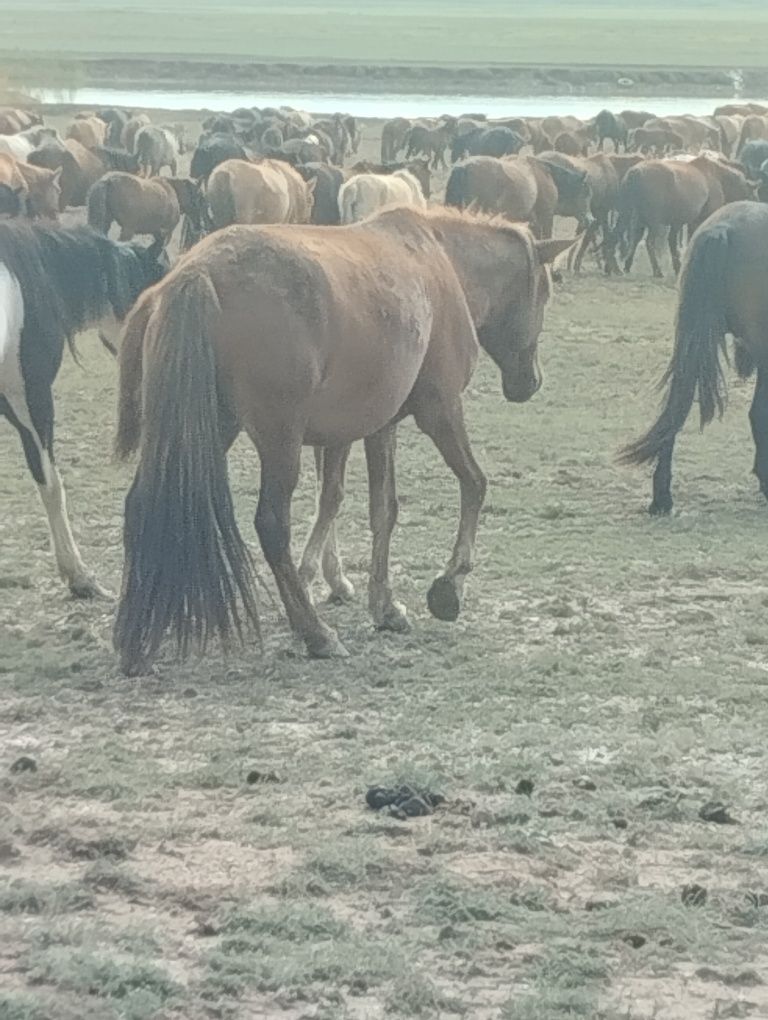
{"x":187,"y":569}
{"x":700,"y":331}
{"x":456,"y":189}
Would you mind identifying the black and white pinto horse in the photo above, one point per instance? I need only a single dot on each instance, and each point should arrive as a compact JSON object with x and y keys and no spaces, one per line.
{"x":55,"y":283}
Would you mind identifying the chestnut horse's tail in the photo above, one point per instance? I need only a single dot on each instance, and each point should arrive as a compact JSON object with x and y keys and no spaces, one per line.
{"x":187,"y":569}
{"x":700,"y":331}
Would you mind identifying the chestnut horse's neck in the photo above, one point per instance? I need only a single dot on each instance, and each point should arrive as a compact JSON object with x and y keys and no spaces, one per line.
{"x":495,"y":264}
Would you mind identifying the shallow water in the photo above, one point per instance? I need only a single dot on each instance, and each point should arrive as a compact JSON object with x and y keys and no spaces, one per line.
{"x":372,"y":105}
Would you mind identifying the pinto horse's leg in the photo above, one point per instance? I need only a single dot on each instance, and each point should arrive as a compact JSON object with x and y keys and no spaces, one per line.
{"x":444,"y":424}
{"x":280,"y":455}
{"x":32,"y":416}
{"x":758,"y":419}
{"x":380,"y":456}
{"x":330,"y":463}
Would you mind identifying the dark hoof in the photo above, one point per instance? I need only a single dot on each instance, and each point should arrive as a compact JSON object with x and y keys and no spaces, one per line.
{"x":87,"y":588}
{"x":327,"y":647}
{"x":660,"y":508}
{"x":443,"y":600}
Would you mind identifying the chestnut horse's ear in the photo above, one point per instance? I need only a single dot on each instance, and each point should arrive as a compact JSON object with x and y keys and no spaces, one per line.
{"x":547,"y":251}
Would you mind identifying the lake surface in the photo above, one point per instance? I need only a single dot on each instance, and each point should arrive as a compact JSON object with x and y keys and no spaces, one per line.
{"x":375,"y":105}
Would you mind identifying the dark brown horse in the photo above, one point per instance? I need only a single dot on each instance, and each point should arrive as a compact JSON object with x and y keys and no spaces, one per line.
{"x":308,"y":335}
{"x":722,"y":291}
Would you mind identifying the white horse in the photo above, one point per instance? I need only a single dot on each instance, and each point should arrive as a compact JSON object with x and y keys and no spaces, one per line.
{"x":364,"y":194}
{"x":23,"y":142}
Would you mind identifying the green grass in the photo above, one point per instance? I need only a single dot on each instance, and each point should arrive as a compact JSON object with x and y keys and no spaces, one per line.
{"x":421,"y":33}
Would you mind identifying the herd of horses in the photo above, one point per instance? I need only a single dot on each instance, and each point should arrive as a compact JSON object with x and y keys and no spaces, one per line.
{"x":319,"y":303}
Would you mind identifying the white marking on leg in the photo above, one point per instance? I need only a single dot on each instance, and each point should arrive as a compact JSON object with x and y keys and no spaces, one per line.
{"x":70,"y":564}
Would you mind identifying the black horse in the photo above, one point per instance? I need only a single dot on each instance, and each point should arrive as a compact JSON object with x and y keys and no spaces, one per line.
{"x":722,"y":291}
{"x":497,"y":141}
{"x":55,"y":283}
{"x":610,"y":125}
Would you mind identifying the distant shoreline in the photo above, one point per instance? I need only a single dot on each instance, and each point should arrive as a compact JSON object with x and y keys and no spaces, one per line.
{"x":404,"y":79}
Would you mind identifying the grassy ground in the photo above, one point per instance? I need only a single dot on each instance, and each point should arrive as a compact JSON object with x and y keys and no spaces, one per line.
{"x":614,"y":663}
{"x":424,"y":33}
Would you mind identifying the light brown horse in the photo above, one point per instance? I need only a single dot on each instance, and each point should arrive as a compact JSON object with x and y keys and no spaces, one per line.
{"x":139,"y":205}
{"x":516,"y":189}
{"x":308,"y":335}
{"x":659,"y":197}
{"x":525,"y":189}
{"x":39,"y":190}
{"x":657,"y":141}
{"x":722,"y":291}
{"x":90,"y":132}
{"x":753,"y":127}
{"x":269,"y":191}
{"x":80,"y":169}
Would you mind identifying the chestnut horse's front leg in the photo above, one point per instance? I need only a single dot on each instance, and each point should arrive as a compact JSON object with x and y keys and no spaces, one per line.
{"x":442,"y":419}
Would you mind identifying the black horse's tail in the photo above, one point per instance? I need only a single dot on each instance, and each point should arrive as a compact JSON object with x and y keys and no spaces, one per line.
{"x":97,"y":202}
{"x":695,"y":368}
{"x":457,"y":187}
{"x":187,"y":569}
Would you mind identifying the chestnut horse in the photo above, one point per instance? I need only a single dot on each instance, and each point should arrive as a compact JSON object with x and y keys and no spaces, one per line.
{"x":308,"y":335}
{"x":722,"y":290}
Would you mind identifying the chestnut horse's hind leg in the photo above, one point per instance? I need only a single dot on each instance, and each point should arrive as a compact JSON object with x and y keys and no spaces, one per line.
{"x":758,"y":419}
{"x":330,"y":463}
{"x":380,"y":456}
{"x":445,"y":427}
{"x":280,"y":460}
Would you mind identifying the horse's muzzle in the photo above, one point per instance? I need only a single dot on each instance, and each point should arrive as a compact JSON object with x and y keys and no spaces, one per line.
{"x":517,"y":390}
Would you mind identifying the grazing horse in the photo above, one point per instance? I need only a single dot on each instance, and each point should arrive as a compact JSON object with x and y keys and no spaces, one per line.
{"x":80,"y":167}
{"x":658,"y":140}
{"x":20,"y":145}
{"x":54,"y":283}
{"x":722,"y":291}
{"x":307,"y":335}
{"x":211,"y":151}
{"x":139,"y":205}
{"x":364,"y":194}
{"x":418,"y":167}
{"x":156,"y":147}
{"x":266,"y":192}
{"x":485,"y":141}
{"x":11,"y":201}
{"x":325,"y":199}
{"x":115,"y":119}
{"x":89,"y":131}
{"x":39,"y":190}
{"x":525,"y":188}
{"x":753,"y":156}
{"x":753,"y":128}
